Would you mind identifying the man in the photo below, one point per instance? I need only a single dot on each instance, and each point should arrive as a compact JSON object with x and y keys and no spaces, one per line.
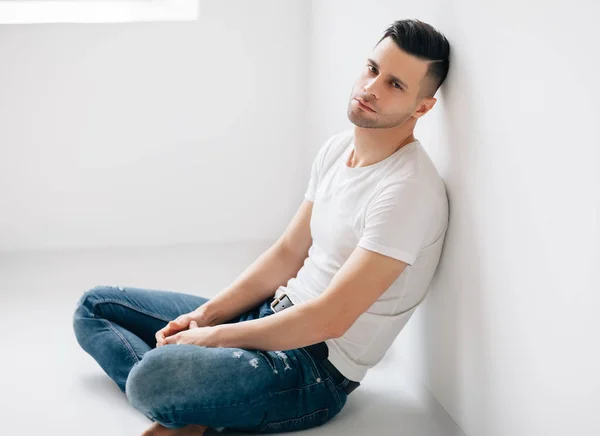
{"x":347,"y":274}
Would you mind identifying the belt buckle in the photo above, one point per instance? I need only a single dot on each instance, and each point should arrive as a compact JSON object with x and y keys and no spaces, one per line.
{"x":276,"y":301}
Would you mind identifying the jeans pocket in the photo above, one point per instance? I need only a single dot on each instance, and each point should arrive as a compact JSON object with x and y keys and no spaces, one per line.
{"x":313,"y":364}
{"x":266,"y":355}
{"x":314,"y":419}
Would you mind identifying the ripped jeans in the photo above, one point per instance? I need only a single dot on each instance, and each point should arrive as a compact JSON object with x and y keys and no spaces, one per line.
{"x":248,"y":391}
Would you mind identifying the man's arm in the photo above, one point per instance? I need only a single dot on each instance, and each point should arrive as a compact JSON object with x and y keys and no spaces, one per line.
{"x":274,"y":268}
{"x":361,"y":280}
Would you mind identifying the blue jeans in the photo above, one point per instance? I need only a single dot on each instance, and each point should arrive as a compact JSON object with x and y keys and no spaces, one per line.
{"x":249,"y":391}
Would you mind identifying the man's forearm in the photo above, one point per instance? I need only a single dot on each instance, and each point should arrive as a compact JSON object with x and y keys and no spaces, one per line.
{"x":258,"y":282}
{"x":299,"y":326}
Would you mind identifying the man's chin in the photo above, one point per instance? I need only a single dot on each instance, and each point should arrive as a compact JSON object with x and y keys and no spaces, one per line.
{"x":361,"y":122}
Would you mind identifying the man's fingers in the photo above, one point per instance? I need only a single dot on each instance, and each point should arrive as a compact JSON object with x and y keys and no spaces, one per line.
{"x":180,"y":323}
{"x":171,"y":339}
{"x":160,"y":335}
{"x":161,"y":338}
{"x":163,"y":333}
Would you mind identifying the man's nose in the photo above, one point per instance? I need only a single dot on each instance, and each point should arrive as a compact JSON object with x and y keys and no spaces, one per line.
{"x":372,"y":87}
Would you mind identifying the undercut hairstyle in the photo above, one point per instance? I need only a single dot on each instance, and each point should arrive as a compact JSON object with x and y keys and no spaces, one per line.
{"x":424,"y":42}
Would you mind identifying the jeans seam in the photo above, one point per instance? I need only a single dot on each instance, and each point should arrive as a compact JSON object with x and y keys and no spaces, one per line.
{"x":264,"y":398}
{"x":333,"y":389}
{"x":324,"y":411}
{"x":123,"y":339}
{"x":262,"y":354}
{"x":297,"y":389}
{"x":315,"y":371}
{"x":130,"y":306}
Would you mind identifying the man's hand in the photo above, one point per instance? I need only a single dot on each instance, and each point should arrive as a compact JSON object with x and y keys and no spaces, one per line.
{"x":202,"y":336}
{"x":181,"y":323}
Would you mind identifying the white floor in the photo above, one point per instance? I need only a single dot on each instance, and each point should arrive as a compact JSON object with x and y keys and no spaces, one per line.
{"x":50,"y":386}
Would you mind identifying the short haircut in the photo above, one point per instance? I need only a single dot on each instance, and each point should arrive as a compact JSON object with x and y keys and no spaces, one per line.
{"x":424,"y":42}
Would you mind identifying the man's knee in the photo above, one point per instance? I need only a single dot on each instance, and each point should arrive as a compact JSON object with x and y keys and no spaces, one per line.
{"x":161,"y":379}
{"x":84,"y":309}
{"x":85,"y":304}
{"x":147,"y":385}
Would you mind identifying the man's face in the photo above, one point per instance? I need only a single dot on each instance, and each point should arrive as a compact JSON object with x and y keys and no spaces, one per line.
{"x":389,"y":83}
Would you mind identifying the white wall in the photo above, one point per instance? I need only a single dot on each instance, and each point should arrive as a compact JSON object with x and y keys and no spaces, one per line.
{"x":141,"y":134}
{"x":507,"y":339}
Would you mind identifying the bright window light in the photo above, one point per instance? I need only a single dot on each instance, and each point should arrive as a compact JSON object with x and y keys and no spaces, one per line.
{"x":97,"y":11}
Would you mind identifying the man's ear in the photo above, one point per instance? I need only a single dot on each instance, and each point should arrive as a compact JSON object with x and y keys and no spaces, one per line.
{"x":424,"y":106}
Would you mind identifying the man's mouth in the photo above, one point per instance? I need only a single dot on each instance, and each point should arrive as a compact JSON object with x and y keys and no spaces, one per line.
{"x":363,"y":105}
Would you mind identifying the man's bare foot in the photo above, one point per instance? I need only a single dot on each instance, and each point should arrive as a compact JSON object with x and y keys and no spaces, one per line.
{"x":189,"y":430}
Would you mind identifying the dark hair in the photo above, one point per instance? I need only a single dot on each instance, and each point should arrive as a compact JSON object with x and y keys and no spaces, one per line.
{"x":424,"y":42}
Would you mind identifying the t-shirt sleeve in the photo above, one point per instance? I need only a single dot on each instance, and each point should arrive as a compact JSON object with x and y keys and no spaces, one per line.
{"x":314,"y":179}
{"x":317,"y":170}
{"x":398,"y":221}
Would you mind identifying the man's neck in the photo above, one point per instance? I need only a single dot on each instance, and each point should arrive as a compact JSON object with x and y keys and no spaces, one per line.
{"x":374,"y":145}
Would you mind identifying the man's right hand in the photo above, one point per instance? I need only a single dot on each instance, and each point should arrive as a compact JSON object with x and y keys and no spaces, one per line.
{"x":182,"y":322}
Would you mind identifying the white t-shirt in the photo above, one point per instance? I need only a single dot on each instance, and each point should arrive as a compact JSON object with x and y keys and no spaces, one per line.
{"x":397,"y":207}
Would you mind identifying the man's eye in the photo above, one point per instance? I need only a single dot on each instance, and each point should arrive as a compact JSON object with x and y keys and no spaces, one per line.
{"x":372,"y":69}
{"x":397,"y":86}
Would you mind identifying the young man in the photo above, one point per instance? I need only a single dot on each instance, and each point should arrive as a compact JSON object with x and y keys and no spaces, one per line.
{"x":347,"y":274}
